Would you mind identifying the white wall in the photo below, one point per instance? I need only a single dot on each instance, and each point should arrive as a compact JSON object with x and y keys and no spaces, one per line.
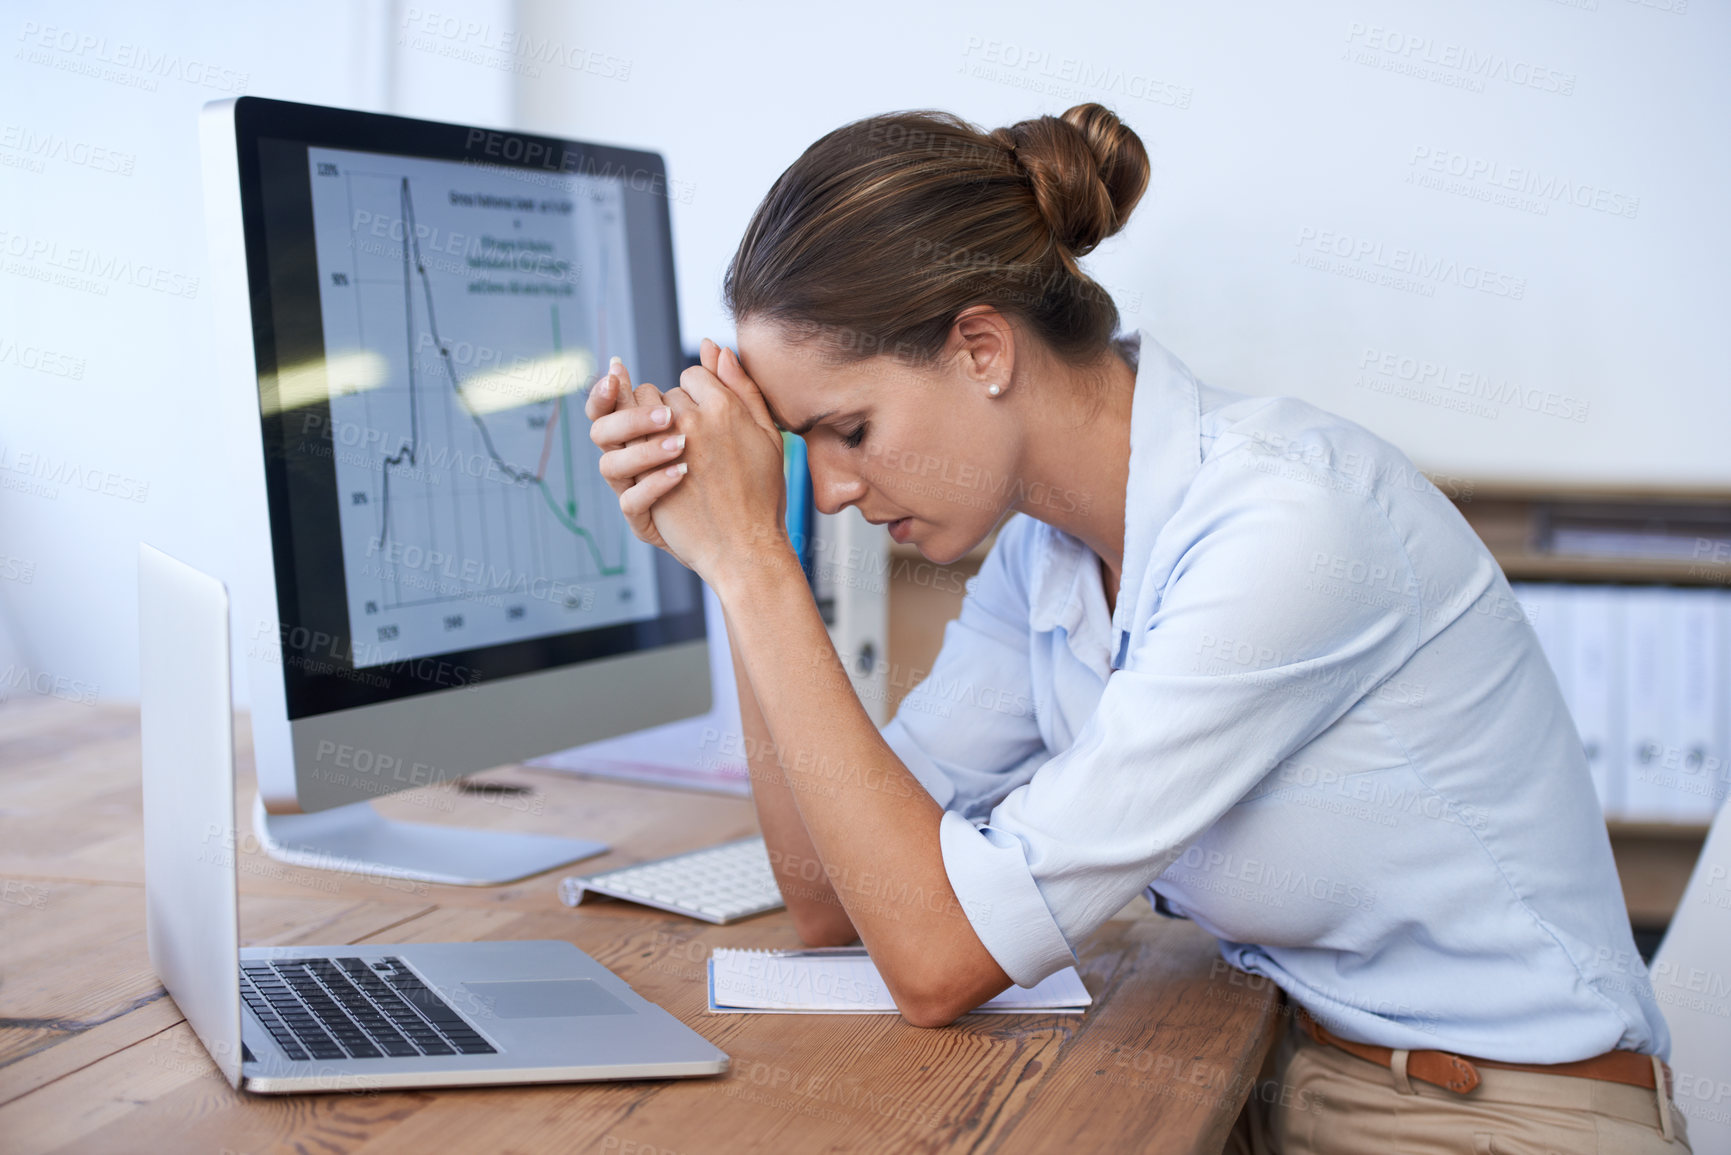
{"x":1277,"y":138}
{"x":102,"y":438}
{"x":1263,"y":127}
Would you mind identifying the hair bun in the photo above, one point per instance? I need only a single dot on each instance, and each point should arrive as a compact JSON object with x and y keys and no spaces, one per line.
{"x":1088,"y":170}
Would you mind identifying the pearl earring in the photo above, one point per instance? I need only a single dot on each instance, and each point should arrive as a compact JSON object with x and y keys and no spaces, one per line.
{"x":993,"y":390}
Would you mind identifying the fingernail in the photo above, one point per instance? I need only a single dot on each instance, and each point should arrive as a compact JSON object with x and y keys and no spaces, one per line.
{"x":615,"y":361}
{"x":674,"y":442}
{"x":605,"y":388}
{"x":676,"y":470}
{"x":661,"y":415}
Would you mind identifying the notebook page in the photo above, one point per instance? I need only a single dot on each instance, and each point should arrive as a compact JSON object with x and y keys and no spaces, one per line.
{"x":767,"y":982}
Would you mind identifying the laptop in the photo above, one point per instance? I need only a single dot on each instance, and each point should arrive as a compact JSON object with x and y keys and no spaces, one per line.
{"x":340,"y":1018}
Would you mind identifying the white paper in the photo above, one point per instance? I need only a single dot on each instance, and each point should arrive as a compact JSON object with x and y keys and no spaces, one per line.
{"x":768,"y":982}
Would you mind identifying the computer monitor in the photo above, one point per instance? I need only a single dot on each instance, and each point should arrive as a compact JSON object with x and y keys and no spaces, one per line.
{"x":432,"y":577}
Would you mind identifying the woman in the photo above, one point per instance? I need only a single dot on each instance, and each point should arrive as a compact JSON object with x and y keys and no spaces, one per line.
{"x":1232,"y":651}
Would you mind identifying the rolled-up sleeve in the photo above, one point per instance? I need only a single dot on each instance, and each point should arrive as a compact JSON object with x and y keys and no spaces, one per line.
{"x":1246,"y":658}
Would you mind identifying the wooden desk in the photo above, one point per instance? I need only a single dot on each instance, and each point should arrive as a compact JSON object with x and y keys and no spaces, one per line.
{"x":95,"y":1057}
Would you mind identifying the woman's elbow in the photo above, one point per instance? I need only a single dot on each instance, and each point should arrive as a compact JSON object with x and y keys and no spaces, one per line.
{"x":936,"y":1002}
{"x":930,"y":1013}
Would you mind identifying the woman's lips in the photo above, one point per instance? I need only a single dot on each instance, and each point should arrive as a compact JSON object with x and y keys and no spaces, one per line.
{"x":900,"y":528}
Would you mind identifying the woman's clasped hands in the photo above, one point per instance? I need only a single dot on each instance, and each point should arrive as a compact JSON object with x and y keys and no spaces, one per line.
{"x":698,"y":470}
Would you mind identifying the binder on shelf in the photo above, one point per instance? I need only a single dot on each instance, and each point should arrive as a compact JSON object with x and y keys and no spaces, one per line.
{"x":1699,"y":756}
{"x":1649,"y":685}
{"x":1721,"y":789}
{"x":1594,"y":691}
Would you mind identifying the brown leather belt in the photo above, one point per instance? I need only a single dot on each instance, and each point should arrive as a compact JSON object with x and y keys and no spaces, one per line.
{"x":1459,"y":1074}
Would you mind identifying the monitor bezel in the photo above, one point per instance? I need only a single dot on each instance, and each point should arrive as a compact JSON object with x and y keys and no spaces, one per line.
{"x":317,"y":683}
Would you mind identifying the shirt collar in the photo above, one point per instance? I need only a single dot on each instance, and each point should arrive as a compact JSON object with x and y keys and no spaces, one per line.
{"x":1165,"y":453}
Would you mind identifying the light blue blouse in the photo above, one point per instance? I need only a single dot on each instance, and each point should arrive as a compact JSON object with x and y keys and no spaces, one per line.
{"x":1318,"y":724}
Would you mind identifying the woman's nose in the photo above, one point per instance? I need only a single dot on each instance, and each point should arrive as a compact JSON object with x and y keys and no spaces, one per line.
{"x":833,"y":489}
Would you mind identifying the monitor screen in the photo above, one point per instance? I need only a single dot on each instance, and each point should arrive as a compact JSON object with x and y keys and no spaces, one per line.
{"x":431,"y":304}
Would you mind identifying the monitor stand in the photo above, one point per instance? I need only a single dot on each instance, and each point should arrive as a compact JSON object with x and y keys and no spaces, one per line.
{"x":357,"y":839}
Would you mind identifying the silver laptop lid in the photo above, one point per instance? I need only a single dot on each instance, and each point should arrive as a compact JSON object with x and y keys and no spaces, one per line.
{"x":190,"y":886}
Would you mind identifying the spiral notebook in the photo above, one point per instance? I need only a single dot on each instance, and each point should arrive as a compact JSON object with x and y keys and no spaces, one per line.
{"x":844,"y":981}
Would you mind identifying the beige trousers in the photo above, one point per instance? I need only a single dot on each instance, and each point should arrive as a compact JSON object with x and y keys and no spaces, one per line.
{"x":1313,"y":1099}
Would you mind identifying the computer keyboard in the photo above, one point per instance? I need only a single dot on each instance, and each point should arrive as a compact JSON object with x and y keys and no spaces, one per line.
{"x":718,"y":884}
{"x":347,"y":1008}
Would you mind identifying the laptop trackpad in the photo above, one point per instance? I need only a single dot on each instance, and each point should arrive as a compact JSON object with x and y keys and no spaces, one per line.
{"x":547,"y":999}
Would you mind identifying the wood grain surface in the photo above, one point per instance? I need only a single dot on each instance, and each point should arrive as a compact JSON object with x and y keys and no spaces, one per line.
{"x":95,"y":1057}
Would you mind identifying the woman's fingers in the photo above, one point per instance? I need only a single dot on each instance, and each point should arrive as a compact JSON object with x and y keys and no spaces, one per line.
{"x":625,"y":425}
{"x":635,"y":502}
{"x":622,"y":377}
{"x":624,"y":465}
{"x":734,"y":376}
{"x":603,"y":398}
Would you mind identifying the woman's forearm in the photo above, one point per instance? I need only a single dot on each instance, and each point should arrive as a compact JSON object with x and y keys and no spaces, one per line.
{"x":872,"y":824}
{"x":818,"y":914}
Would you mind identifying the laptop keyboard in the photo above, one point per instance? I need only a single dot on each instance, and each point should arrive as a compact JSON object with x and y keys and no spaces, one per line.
{"x":349,"y":1008}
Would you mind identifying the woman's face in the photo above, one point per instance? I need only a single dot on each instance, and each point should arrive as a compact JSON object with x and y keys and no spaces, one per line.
{"x":927,"y":451}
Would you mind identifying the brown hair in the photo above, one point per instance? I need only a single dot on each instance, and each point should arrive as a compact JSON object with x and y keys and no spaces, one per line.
{"x":885,"y":229}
